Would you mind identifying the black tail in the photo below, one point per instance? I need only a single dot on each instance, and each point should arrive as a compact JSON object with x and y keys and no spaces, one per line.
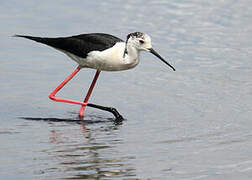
{"x":37,"y":39}
{"x":73,"y":45}
{"x":58,"y":43}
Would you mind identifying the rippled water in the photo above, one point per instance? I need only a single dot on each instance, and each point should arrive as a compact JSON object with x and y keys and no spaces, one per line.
{"x":194,"y":123}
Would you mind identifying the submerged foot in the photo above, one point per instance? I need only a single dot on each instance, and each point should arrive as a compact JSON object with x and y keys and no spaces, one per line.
{"x":117,"y":115}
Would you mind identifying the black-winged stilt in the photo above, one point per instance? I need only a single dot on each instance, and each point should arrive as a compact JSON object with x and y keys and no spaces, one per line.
{"x":99,"y":51}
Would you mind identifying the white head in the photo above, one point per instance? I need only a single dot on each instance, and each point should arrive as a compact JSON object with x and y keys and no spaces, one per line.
{"x":139,"y":40}
{"x":142,"y":42}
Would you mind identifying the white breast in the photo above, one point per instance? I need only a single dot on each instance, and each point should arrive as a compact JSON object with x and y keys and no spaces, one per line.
{"x":108,"y":60}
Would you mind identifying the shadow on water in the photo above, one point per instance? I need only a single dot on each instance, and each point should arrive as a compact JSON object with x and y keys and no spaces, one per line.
{"x":77,"y":120}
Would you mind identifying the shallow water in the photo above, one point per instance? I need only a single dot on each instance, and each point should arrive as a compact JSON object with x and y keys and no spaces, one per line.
{"x":194,"y":123}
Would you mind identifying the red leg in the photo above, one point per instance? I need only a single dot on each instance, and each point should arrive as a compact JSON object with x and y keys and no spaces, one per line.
{"x":82,"y":109}
{"x":53,"y":93}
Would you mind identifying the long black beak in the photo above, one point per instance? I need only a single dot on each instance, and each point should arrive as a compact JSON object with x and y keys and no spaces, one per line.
{"x":156,"y":54}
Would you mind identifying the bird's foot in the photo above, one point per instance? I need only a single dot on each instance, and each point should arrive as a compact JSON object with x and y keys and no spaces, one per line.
{"x":117,"y":115}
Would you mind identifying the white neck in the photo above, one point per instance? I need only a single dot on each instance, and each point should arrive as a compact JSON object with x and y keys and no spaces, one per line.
{"x":132,"y":55}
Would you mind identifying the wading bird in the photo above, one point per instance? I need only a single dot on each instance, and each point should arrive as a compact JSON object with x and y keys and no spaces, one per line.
{"x":99,"y":51}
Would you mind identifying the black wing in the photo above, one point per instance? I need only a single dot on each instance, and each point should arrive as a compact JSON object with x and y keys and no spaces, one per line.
{"x":79,"y":45}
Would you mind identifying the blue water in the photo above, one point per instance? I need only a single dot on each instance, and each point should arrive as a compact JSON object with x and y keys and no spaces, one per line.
{"x":194,"y":123}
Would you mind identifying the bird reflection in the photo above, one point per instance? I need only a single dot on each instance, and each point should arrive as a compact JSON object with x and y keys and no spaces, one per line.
{"x":85,"y":150}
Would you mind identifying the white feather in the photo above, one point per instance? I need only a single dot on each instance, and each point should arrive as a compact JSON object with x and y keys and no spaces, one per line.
{"x":110,"y":59}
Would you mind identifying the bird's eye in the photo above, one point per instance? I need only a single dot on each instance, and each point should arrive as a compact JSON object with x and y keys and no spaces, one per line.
{"x":141,"y":41}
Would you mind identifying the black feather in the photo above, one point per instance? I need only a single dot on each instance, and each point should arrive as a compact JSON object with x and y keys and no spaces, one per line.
{"x":79,"y":45}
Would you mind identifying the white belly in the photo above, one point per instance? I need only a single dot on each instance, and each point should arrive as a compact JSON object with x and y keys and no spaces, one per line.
{"x":108,"y":60}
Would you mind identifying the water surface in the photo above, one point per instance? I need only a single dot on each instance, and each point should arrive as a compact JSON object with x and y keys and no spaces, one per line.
{"x":194,"y":123}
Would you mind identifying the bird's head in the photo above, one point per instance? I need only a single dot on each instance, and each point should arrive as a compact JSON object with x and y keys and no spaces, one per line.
{"x":139,"y":40}
{"x":142,"y":42}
